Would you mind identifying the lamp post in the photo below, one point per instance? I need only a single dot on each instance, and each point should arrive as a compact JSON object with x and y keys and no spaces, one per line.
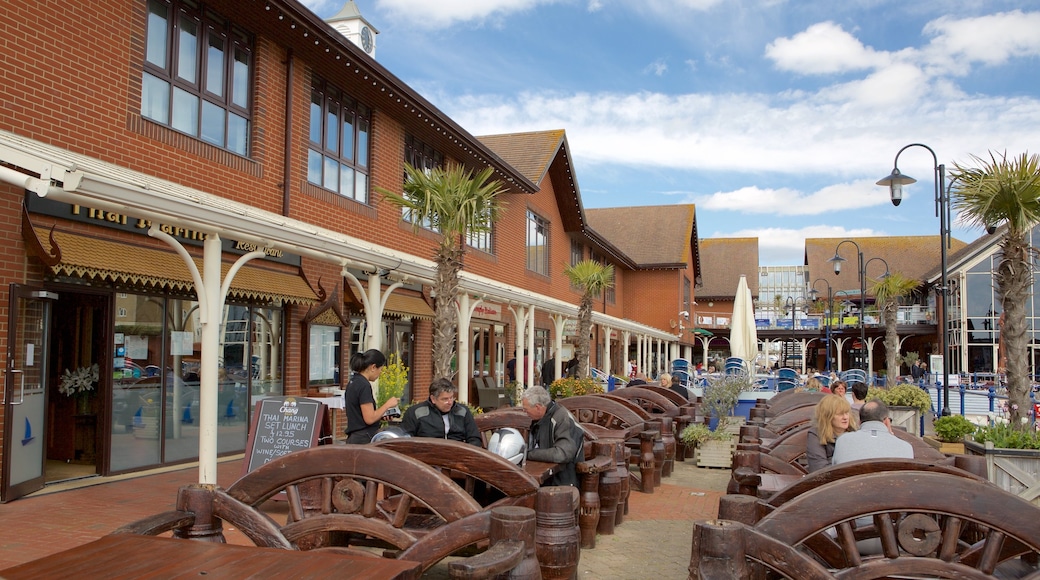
{"x":895,"y":182}
{"x":792,"y":305}
{"x":814,"y":294}
{"x":862,"y":271}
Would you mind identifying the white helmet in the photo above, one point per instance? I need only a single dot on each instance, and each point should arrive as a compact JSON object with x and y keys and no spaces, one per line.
{"x":389,"y":433}
{"x":509,"y":443}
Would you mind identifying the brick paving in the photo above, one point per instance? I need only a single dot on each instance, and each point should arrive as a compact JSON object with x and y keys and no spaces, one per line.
{"x":654,"y":541}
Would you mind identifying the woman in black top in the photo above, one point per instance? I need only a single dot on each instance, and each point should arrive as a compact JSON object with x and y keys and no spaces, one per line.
{"x":360,"y":406}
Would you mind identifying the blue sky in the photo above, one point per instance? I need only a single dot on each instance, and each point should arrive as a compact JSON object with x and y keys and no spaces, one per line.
{"x":774,"y":117}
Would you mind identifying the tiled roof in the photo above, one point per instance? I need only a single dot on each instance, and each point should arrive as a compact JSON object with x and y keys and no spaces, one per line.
{"x":530,"y":153}
{"x":723,"y":260}
{"x":911,"y":256}
{"x":652,"y":236}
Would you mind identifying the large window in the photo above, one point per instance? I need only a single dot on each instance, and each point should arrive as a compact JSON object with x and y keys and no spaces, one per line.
{"x":340,"y":127}
{"x":197,"y":74}
{"x":537,"y":243}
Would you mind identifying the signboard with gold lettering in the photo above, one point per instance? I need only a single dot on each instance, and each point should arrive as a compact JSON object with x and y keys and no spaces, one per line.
{"x":282,"y":425}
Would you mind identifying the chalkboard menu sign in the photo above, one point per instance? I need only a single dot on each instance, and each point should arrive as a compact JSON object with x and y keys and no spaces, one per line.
{"x":282,"y":425}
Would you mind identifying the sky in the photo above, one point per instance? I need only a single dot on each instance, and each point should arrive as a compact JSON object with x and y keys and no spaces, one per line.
{"x":774,"y":117}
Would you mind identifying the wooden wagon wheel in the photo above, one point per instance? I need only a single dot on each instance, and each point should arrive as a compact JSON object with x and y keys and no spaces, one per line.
{"x":791,"y":420}
{"x":650,"y":401}
{"x":789,"y":400}
{"x":479,"y":469}
{"x":919,"y":519}
{"x":359,"y":489}
{"x":606,"y":411}
{"x":668,"y":393}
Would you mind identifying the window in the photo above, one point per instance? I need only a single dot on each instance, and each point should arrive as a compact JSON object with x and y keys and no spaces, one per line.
{"x":482,"y":240}
{"x":197,"y":74}
{"x":687,"y":289}
{"x":337,"y":159}
{"x":577,"y":252}
{"x":537,"y":244}
{"x":420,"y":156}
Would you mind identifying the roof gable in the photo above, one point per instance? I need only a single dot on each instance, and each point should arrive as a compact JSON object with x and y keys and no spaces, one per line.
{"x":724,"y":261}
{"x":662,"y":236}
{"x":910,"y":256}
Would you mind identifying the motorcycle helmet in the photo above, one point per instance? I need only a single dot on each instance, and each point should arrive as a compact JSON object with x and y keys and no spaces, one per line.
{"x":389,"y":433}
{"x":509,"y":443}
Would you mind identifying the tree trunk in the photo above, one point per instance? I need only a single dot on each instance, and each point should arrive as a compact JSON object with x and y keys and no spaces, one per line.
{"x":1014,"y":281}
{"x":445,"y":318}
{"x":584,"y":329}
{"x":890,"y":310}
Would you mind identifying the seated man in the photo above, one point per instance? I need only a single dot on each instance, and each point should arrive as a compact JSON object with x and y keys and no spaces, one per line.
{"x":442,"y":417}
{"x":873,"y":440}
{"x":554,"y":437}
{"x":676,"y":385}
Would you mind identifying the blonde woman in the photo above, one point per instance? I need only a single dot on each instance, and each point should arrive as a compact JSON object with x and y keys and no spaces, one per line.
{"x":831,"y":418}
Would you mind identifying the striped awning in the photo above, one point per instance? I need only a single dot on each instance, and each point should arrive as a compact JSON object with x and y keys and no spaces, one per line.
{"x":121,"y":263}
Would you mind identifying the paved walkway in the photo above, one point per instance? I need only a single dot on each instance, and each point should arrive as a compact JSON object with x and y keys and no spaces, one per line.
{"x":654,"y":541}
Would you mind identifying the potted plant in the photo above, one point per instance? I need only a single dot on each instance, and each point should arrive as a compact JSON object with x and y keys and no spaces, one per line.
{"x":907,"y":403}
{"x":392,"y":381}
{"x":950,"y":432}
{"x":80,"y":384}
{"x":720,"y":397}
{"x":1012,"y":457}
{"x":711,"y":448}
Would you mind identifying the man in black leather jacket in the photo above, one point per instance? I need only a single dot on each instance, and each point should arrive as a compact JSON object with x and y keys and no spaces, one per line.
{"x":442,"y":417}
{"x":554,"y":436}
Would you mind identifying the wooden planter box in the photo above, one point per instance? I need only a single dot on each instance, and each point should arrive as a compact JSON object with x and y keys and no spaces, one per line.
{"x":908,"y":418}
{"x":715,"y":453}
{"x":1013,"y":470}
{"x":944,"y":447}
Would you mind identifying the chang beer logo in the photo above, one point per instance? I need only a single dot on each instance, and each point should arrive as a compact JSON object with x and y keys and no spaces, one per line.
{"x":289,"y":407}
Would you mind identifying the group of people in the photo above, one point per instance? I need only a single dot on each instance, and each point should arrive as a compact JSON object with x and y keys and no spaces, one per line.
{"x":554,"y":435}
{"x":842,"y":431}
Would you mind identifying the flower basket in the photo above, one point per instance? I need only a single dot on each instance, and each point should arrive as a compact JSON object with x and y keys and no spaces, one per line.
{"x":715,"y":453}
{"x":1014,"y":470}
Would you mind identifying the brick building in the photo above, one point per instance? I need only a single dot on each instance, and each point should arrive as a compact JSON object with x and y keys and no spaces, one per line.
{"x":189,"y":192}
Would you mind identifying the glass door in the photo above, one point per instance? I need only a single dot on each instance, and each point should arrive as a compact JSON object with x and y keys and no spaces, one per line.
{"x":25,"y":392}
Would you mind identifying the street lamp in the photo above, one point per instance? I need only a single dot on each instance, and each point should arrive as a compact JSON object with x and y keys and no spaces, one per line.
{"x":813,"y":295}
{"x":862,"y":271}
{"x":895,"y":182}
{"x":792,"y":305}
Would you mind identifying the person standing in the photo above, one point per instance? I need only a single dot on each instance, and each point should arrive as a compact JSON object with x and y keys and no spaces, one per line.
{"x":441,"y":416}
{"x":549,"y":371}
{"x":358,"y":402}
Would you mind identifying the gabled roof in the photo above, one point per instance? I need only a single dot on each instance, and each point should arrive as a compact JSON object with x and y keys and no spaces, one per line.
{"x":658,"y":236}
{"x":530,"y":153}
{"x":723,"y":261}
{"x":910,"y":256}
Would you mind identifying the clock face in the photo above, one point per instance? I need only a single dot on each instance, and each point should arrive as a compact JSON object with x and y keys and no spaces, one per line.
{"x":366,"y":39}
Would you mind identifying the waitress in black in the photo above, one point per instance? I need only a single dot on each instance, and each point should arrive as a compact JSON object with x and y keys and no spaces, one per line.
{"x":360,"y":406}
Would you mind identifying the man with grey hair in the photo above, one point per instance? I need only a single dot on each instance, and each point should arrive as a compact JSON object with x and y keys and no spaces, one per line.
{"x":873,"y":440}
{"x":554,"y":437}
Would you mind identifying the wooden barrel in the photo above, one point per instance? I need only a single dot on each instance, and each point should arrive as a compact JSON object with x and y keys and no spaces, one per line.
{"x":557,"y":538}
{"x":517,"y":523}
{"x":609,"y":486}
{"x":668,"y":438}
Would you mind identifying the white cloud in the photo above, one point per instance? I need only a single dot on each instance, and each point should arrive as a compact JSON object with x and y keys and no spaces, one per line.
{"x":990,"y":40}
{"x":656,"y":68}
{"x":443,"y":13}
{"x":824,"y":48}
{"x":790,"y":202}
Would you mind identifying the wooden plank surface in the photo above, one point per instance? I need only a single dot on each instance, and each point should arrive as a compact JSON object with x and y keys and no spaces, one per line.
{"x":128,"y":556}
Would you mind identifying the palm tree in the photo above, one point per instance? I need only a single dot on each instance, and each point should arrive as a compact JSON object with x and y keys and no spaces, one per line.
{"x":591,"y":278}
{"x":887,"y":292}
{"x":455,"y":203}
{"x":1006,"y":191}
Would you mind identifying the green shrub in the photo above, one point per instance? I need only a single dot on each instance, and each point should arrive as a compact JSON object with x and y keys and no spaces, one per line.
{"x":392,"y":380}
{"x":1003,"y":435}
{"x":953,"y":428}
{"x":561,"y":388}
{"x":902,"y":395}
{"x":697,"y":433}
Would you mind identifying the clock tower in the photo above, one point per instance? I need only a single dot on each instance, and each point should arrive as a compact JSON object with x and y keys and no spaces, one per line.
{"x":350,"y":23}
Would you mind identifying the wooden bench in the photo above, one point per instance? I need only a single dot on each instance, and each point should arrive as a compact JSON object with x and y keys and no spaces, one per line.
{"x":924,"y":523}
{"x":339,"y":497}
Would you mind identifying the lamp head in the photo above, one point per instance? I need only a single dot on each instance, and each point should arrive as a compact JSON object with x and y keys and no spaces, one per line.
{"x":814,"y":294}
{"x":895,"y":182}
{"x":836,"y":260}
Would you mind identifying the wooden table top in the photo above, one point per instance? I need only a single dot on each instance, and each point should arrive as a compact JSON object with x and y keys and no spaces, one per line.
{"x":130,"y":556}
{"x":541,"y":470}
